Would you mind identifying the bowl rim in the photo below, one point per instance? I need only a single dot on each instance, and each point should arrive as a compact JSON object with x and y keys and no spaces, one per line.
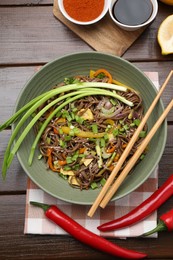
{"x":44,"y":67}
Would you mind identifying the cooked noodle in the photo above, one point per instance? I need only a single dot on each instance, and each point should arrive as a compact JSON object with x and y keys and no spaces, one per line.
{"x":84,"y":161}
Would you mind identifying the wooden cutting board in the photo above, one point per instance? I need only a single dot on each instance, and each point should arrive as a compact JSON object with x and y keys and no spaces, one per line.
{"x":103,"y":36}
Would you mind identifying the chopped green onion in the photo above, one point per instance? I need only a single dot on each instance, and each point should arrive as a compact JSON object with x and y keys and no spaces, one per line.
{"x":66,"y":168}
{"x":65,"y":177}
{"x":99,"y":153}
{"x":79,"y":119}
{"x":137,"y":122}
{"x":142,"y":134}
{"x":142,"y":156}
{"x":58,"y":114}
{"x":122,"y":129}
{"x":100,"y":75}
{"x":62,"y":143}
{"x":126,"y":127}
{"x":74,"y":157}
{"x":82,"y":155}
{"x":60,"y":131}
{"x":130,"y":116}
{"x":108,"y":128}
{"x":87,"y":88}
{"x":113,"y":101}
{"x":69,"y":159}
{"x":70,"y":80}
{"x":103,"y":181}
{"x":106,"y":137}
{"x":74,"y":109}
{"x":72,"y":115}
{"x":115,"y":132}
{"x":67,"y":137}
{"x":74,"y":131}
{"x":65,"y":114}
{"x":48,"y":140}
{"x":102,"y":142}
{"x":94,"y":185}
{"x":40,"y":156}
{"x":75,"y":167}
{"x":94,"y":128}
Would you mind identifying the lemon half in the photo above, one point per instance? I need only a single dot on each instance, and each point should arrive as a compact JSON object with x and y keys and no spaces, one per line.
{"x":165,"y":35}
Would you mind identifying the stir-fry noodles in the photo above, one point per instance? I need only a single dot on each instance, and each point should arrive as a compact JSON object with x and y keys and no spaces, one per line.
{"x":84,"y":141}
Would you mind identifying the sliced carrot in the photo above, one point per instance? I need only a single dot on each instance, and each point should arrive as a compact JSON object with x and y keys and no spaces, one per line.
{"x":117,"y":156}
{"x":124,"y":145}
{"x":82,"y":150}
{"x":111,"y":167}
{"x":62,"y":162}
{"x":49,"y":160}
{"x":107,"y":74}
{"x":111,"y":150}
{"x":55,"y":130}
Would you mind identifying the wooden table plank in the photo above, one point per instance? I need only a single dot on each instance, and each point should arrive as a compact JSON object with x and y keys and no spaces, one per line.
{"x":15,"y":245}
{"x":40,"y":37}
{"x":25,"y":2}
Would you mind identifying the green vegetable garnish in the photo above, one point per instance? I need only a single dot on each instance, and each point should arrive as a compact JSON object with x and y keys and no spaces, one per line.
{"x":142,"y":134}
{"x":103,"y":181}
{"x":79,"y":90}
{"x":94,"y":185}
{"x":94,"y":128}
{"x":137,"y":122}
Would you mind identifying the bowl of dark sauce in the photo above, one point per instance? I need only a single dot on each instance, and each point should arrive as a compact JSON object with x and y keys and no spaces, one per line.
{"x":131,"y":15}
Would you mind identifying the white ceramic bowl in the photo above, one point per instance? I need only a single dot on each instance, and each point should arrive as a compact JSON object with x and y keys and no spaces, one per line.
{"x":134,"y":27}
{"x":66,"y":15}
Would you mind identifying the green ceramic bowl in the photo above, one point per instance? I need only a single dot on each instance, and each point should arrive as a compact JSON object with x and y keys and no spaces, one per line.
{"x":80,"y":63}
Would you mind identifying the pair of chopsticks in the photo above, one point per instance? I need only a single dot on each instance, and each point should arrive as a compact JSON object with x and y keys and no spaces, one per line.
{"x":104,"y":198}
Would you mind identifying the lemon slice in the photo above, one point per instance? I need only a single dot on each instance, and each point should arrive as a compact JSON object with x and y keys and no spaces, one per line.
{"x":165,"y":35}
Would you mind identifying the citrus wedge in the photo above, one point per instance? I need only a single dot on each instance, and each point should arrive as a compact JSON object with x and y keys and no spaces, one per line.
{"x":165,"y":35}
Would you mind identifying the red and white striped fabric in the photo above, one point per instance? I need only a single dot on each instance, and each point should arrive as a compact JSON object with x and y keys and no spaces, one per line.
{"x":36,"y":222}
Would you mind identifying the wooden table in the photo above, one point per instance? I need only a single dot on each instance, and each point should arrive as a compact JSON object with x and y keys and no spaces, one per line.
{"x":30,"y":36}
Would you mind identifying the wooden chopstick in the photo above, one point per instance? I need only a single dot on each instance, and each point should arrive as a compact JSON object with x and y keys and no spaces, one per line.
{"x":135,"y":157}
{"x":127,"y":150}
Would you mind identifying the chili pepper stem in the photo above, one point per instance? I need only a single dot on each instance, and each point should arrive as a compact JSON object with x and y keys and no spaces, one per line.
{"x":45,"y":207}
{"x":160,"y":227}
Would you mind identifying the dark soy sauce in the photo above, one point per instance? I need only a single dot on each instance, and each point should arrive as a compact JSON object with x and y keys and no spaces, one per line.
{"x":132,"y":12}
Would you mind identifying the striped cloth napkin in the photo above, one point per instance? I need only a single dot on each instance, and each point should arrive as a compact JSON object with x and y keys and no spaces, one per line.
{"x":37,"y":223}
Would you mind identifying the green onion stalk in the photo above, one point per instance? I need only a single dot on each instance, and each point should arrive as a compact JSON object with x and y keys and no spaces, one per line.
{"x":59,"y":90}
{"x":88,"y":92}
{"x":79,"y":90}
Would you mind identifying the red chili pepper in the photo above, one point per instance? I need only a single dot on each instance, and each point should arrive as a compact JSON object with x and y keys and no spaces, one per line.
{"x":143,"y":210}
{"x":165,"y":223}
{"x":84,"y":235}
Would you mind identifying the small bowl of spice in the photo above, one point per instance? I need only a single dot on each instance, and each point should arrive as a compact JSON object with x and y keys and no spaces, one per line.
{"x":134,"y":14}
{"x":84,"y":12}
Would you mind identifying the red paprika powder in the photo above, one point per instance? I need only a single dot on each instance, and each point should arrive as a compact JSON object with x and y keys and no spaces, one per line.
{"x":83,"y":10}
